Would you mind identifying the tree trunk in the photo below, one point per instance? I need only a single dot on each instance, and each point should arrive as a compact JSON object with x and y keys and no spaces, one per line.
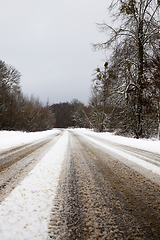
{"x":139,"y":132}
{"x":158,"y":115}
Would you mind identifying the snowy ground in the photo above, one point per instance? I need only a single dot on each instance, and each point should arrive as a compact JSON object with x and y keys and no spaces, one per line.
{"x":145,"y":144}
{"x":25,"y":213}
{"x":148,"y":145}
{"x":9,"y":139}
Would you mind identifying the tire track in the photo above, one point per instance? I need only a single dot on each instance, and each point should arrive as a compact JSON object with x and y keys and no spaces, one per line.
{"x":150,"y":157}
{"x":18,"y":162}
{"x":66,"y":216}
{"x":101,"y":198}
{"x":15,"y":156}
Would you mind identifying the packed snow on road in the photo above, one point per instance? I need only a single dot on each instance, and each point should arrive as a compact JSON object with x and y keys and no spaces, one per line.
{"x":25,"y":212}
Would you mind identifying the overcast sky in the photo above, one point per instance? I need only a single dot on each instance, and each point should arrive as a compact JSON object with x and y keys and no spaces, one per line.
{"x":49,"y":42}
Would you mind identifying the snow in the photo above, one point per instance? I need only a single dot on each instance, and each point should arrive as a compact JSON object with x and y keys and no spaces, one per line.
{"x":10,"y":139}
{"x":129,"y":157}
{"x":144,"y":144}
{"x":25,"y":213}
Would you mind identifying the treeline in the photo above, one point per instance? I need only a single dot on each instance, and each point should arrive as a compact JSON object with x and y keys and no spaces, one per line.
{"x":71,"y":114}
{"x":125,"y":95}
{"x":18,"y":112}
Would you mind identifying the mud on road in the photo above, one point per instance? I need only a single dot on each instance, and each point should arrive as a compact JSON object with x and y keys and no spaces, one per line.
{"x":99,"y":197}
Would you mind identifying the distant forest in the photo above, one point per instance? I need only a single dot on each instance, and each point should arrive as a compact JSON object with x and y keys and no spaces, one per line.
{"x":71,"y":114}
{"x":125,"y":91}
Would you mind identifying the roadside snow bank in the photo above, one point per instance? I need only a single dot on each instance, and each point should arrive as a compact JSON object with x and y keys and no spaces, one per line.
{"x":129,"y":157}
{"x":145,"y":144}
{"x":25,"y":213}
{"x":10,"y":139}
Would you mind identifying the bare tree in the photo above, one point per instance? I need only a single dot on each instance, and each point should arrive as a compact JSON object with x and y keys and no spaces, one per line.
{"x":139,"y":27}
{"x":16,"y":111}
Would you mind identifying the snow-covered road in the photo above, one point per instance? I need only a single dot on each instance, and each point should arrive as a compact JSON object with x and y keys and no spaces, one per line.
{"x":140,"y":155}
{"x":25,"y":212}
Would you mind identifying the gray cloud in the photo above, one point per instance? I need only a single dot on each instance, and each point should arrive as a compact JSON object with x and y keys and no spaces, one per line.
{"x":49,"y":42}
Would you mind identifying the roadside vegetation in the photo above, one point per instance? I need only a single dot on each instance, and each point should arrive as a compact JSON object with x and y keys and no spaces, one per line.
{"x":18,"y":112}
{"x":125,"y":93}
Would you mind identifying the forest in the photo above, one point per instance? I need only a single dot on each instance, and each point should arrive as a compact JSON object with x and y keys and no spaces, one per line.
{"x":18,"y":112}
{"x":125,"y":90}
